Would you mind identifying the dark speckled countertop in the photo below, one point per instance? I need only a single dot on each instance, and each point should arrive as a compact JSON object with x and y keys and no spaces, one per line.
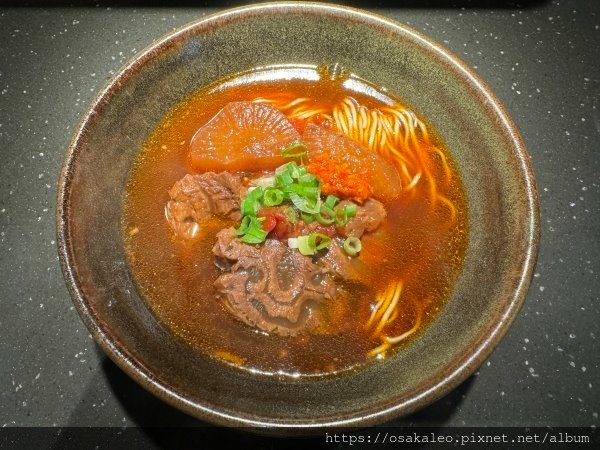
{"x":541,"y":59}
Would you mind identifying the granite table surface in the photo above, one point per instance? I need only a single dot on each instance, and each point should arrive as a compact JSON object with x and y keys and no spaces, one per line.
{"x":542,"y":59}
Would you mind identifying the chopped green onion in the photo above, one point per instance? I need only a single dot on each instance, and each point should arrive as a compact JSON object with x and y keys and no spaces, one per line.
{"x":251,"y":230}
{"x":343,"y":214}
{"x":352,"y":246}
{"x":251,"y":203}
{"x":304,"y":247}
{"x":283,"y":180}
{"x":307,"y":218}
{"x":350,"y":209}
{"x":294,"y":171}
{"x":254,"y":236}
{"x":302,"y":170}
{"x":341,"y":217}
{"x":305,"y":191}
{"x":285,"y":168}
{"x":319,"y":240}
{"x":293,"y":242}
{"x":311,"y":206}
{"x":266,"y":181}
{"x":290,"y":214}
{"x":272,"y":197}
{"x":297,"y":185}
{"x":326,"y":216}
{"x":331,"y":201}
{"x":308,"y":179}
{"x":295,"y":150}
{"x":243,"y":226}
{"x":311,"y":244}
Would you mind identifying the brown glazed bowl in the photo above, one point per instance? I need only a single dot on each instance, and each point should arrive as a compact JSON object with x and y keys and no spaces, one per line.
{"x":491,"y":157}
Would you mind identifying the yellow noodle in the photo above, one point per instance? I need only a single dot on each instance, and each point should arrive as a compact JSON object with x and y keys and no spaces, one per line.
{"x":386,"y":131}
{"x":450,"y":206}
{"x":391,"y":307}
{"x":297,"y":101}
{"x":340,"y":120}
{"x":413,"y":182}
{"x":379,"y":350}
{"x":374,"y":129}
{"x":444,"y":163}
{"x":375,"y":309}
{"x":389,"y":341}
{"x":393,"y":317}
{"x":382,"y":305}
{"x":396,"y":339}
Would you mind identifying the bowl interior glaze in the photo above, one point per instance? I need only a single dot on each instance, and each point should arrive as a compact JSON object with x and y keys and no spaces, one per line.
{"x":491,"y":158}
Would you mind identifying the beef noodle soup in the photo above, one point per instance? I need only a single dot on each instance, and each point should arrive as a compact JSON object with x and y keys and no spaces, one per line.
{"x":294,"y":221}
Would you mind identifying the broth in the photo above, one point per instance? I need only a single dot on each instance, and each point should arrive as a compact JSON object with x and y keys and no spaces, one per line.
{"x":419,"y":244}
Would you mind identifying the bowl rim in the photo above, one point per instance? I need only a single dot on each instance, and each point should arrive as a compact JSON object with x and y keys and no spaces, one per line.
{"x":438,"y":387}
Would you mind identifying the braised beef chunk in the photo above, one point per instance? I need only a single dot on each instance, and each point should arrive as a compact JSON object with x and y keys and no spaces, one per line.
{"x":368,"y":218}
{"x":228,"y":249}
{"x":198,"y":197}
{"x":336,"y":261}
{"x":271,"y":287}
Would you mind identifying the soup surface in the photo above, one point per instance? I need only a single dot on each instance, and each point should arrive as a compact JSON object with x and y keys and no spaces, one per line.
{"x":368,"y":303}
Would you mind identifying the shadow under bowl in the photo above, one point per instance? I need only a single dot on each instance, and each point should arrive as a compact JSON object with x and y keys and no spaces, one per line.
{"x":490,"y":155}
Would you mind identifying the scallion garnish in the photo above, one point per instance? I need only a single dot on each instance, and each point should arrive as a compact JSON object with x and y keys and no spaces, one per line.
{"x":319,"y":240}
{"x":272,"y":197}
{"x":303,"y":247}
{"x":350,"y":209}
{"x":243,"y":226}
{"x":285,"y":168}
{"x":293,"y":183}
{"x":295,"y":150}
{"x":283,"y":180}
{"x":344,"y":213}
{"x":251,"y":203}
{"x":308,"y":179}
{"x":266,"y":181}
{"x":309,"y":245}
{"x":254,"y":236}
{"x":310,"y":205}
{"x":290,"y":214}
{"x":352,"y":246}
{"x":305,"y":190}
{"x":326,"y":216}
{"x":302,"y":170}
{"x":331,"y":201}
{"x":251,"y":230}
{"x":307,"y":218}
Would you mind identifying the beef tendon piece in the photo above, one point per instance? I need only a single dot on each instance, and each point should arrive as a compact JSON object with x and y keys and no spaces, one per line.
{"x":271,"y":287}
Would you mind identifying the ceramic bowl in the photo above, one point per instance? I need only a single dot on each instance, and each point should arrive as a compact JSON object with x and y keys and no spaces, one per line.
{"x":490,"y":155}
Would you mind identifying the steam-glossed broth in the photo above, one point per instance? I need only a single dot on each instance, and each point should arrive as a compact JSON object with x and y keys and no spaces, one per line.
{"x":421,"y":244}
